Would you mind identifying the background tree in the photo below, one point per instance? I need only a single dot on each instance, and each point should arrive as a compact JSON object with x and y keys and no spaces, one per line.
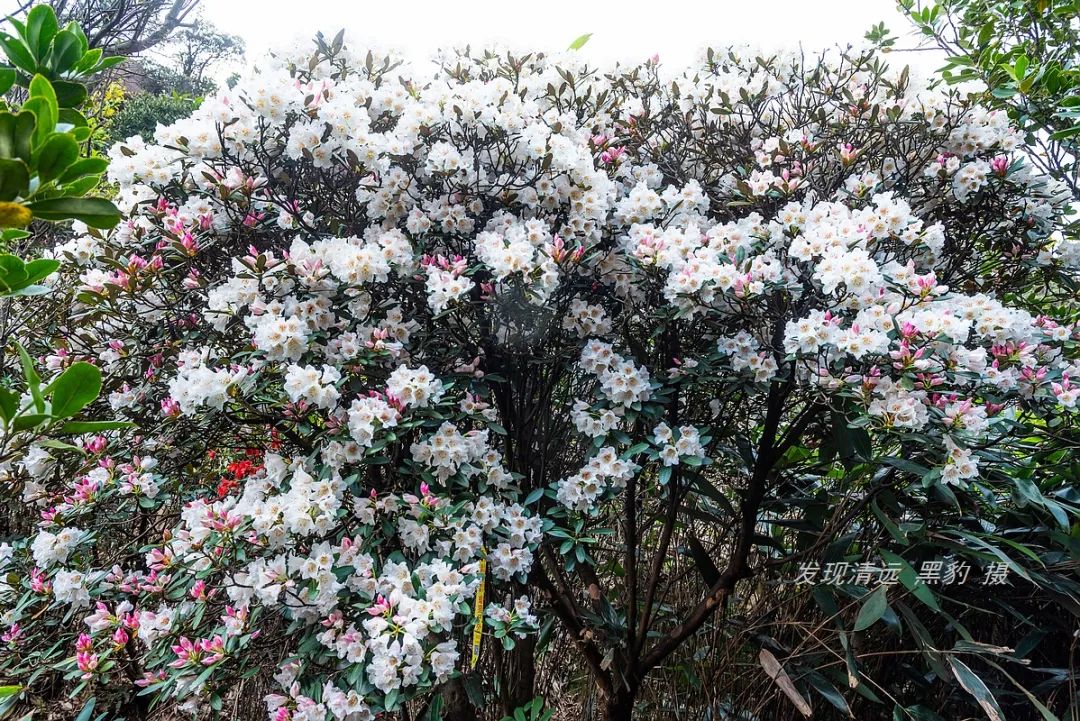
{"x":122,"y":27}
{"x":191,"y":54}
{"x":1027,"y":54}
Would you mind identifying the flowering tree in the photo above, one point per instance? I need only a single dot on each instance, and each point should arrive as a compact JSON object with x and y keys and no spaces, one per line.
{"x":420,"y":360}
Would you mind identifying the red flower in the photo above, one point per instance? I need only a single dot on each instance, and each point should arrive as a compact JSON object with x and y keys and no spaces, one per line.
{"x":226,"y":486}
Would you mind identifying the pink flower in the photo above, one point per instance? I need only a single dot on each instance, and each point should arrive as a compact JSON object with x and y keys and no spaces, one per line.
{"x":1000,"y":165}
{"x":148,"y":678}
{"x":87,"y":663}
{"x":12,"y":635}
{"x":382,"y":607}
{"x":95,"y":445}
{"x":170,"y":408}
{"x":199,"y":592}
{"x":848,"y":153}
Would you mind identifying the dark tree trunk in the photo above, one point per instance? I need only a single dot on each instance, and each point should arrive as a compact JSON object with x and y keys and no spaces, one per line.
{"x":517,"y":672}
{"x":619,"y":706}
{"x":455,"y":702}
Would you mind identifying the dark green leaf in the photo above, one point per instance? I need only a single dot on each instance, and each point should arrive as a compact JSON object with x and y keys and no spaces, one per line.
{"x":95,"y":212}
{"x":977,"y":688}
{"x":16,"y":133}
{"x":7,"y":79}
{"x":28,"y":421}
{"x":873,"y":608}
{"x":41,"y":28}
{"x":14,"y":178}
{"x":55,"y":156}
{"x":17,"y":53}
{"x":69,"y":94}
{"x":41,"y":268}
{"x":76,"y":387}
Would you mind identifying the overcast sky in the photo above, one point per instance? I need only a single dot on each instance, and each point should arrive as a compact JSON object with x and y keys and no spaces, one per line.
{"x":627,"y":30}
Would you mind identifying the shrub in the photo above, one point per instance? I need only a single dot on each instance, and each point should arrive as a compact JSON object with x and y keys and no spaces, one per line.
{"x":141,"y":114}
{"x":420,"y":361}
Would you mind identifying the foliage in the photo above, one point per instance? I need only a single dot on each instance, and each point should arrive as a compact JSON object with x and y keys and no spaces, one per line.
{"x":425,"y":363}
{"x":102,"y":114}
{"x":43,"y":175}
{"x":191,"y":53}
{"x":141,"y":114}
{"x":62,"y":56}
{"x":533,"y":711}
{"x":1027,"y":55}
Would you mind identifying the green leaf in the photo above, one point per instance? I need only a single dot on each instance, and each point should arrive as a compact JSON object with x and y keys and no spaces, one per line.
{"x":60,"y":445}
{"x":14,"y":178}
{"x":74,"y":389}
{"x":28,"y":421}
{"x":95,"y":212}
{"x":710,"y":574}
{"x":88,"y":60}
{"x":1046,"y":713}
{"x":87,"y":710}
{"x":108,"y":63}
{"x":81,"y":186}
{"x":1020,"y":69}
{"x":45,"y":119}
{"x":898,"y":535}
{"x":41,"y":28}
{"x":84,"y":167}
{"x":9,"y":404}
{"x":69,"y":94}
{"x":13,"y":273}
{"x":830,"y":692}
{"x":16,"y":134}
{"x":910,"y":580}
{"x":7,"y":691}
{"x":31,"y":290}
{"x":55,"y":156}
{"x":873,"y":608}
{"x":977,"y":688}
{"x":579,"y":43}
{"x":40,"y":87}
{"x":41,"y":268}
{"x":77,"y":427}
{"x":66,"y":51}
{"x":434,"y":709}
{"x":31,"y":376}
{"x":17,"y":53}
{"x":74,"y":118}
{"x":7,"y":79}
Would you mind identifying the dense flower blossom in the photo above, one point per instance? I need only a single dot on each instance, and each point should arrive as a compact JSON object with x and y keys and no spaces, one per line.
{"x":372,"y":277}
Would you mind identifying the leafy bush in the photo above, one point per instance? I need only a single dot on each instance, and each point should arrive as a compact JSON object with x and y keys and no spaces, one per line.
{"x":422,"y":363}
{"x":1027,"y":57}
{"x":141,"y":114}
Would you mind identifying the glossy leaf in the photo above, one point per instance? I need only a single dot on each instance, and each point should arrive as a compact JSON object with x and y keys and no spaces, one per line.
{"x":95,"y":212}
{"x":75,"y":388}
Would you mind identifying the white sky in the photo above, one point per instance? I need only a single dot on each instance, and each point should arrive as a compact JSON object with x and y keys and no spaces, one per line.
{"x":629,"y":30}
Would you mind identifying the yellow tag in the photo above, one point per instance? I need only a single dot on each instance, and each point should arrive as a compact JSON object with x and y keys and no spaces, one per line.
{"x":478,"y":614}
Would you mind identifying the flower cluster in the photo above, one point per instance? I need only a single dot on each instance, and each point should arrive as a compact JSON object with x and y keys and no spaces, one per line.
{"x":454,"y":314}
